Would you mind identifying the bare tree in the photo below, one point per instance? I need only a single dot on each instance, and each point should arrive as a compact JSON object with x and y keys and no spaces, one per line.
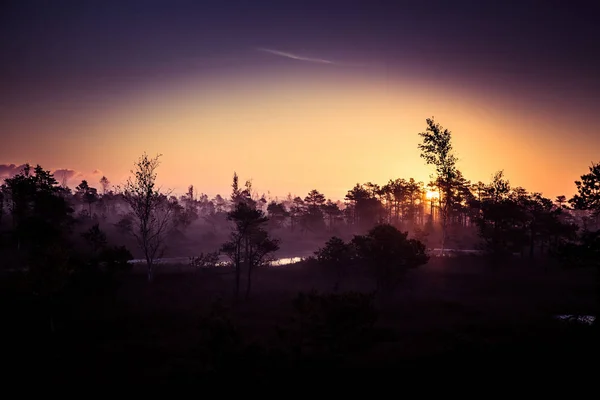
{"x":151,"y":209}
{"x":436,"y":149}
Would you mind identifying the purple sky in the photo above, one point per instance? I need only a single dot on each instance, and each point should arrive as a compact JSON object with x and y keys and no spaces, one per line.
{"x":62,"y":58}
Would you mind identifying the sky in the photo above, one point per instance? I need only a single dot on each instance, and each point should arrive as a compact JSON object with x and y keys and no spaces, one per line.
{"x":299,"y":95}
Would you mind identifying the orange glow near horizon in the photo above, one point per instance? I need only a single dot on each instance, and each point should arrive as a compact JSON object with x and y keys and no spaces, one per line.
{"x":432,"y":195}
{"x":294,"y":134}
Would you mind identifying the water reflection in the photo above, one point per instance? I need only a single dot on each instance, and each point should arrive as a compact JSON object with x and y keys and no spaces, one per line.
{"x":581,"y":319}
{"x":222,"y":263}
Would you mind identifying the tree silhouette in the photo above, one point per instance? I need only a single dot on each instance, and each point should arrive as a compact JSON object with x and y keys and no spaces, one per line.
{"x":151,"y":209}
{"x":366,"y":207}
{"x":87,"y":194}
{"x":500,"y":220}
{"x":41,"y":224}
{"x":313,"y":215}
{"x":104,"y":182}
{"x":277,"y":214}
{"x":257,"y":252}
{"x":585,"y":250}
{"x":314,"y":198}
{"x":297,"y":211}
{"x":249,"y":243}
{"x":333,"y":212}
{"x":111,"y":258}
{"x":436,"y":149}
{"x":96,"y":238}
{"x":336,"y":256}
{"x":588,"y":193}
{"x":389,"y":254}
{"x":40,"y":214}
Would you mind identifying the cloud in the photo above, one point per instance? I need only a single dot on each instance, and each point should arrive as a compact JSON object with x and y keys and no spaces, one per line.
{"x":295,"y":56}
{"x":96,"y":172}
{"x":63,"y":175}
{"x":10,"y":170}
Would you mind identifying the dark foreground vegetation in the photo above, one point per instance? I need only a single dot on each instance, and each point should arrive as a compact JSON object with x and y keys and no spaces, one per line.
{"x":370,"y":295}
{"x":453,"y":313}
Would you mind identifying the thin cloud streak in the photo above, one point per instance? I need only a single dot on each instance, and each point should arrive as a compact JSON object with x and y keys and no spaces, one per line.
{"x":295,"y":57}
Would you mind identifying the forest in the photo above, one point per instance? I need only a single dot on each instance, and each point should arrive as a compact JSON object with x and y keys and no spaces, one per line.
{"x":125,"y":276}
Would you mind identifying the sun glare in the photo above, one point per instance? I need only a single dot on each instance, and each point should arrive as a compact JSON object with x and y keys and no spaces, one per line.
{"x":432,"y":195}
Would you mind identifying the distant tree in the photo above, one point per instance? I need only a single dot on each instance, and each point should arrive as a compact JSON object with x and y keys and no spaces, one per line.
{"x":40,"y":214}
{"x":219,"y":203}
{"x":260,"y":247}
{"x":336,"y":256}
{"x":414,"y":206}
{"x":588,"y":194}
{"x":41,"y":222}
{"x":500,"y":222}
{"x":182,"y":216}
{"x":104,"y":182}
{"x":110,"y":259}
{"x":389,"y":254}
{"x":297,"y":212}
{"x":236,"y":192}
{"x":151,"y":209}
{"x":354,"y":196}
{"x":277,"y":214}
{"x":249,"y":244}
{"x":365,"y":206}
{"x":125,"y":224}
{"x":584,"y":251}
{"x":313,"y":215}
{"x":333,"y":212}
{"x":314,"y":198}
{"x":436,"y":149}
{"x":96,"y":238}
{"x":87,"y":194}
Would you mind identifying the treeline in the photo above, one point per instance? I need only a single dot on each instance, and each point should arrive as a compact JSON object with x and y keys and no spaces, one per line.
{"x":507,"y":219}
{"x":443,"y":212}
{"x":53,"y":236}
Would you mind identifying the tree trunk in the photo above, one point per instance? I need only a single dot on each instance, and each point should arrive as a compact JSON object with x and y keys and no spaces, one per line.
{"x":444,"y":230}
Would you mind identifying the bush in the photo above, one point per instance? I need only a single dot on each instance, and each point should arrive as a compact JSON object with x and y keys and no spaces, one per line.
{"x":208,"y":260}
{"x":336,"y":257}
{"x":389,"y":254}
{"x":116,"y":259}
